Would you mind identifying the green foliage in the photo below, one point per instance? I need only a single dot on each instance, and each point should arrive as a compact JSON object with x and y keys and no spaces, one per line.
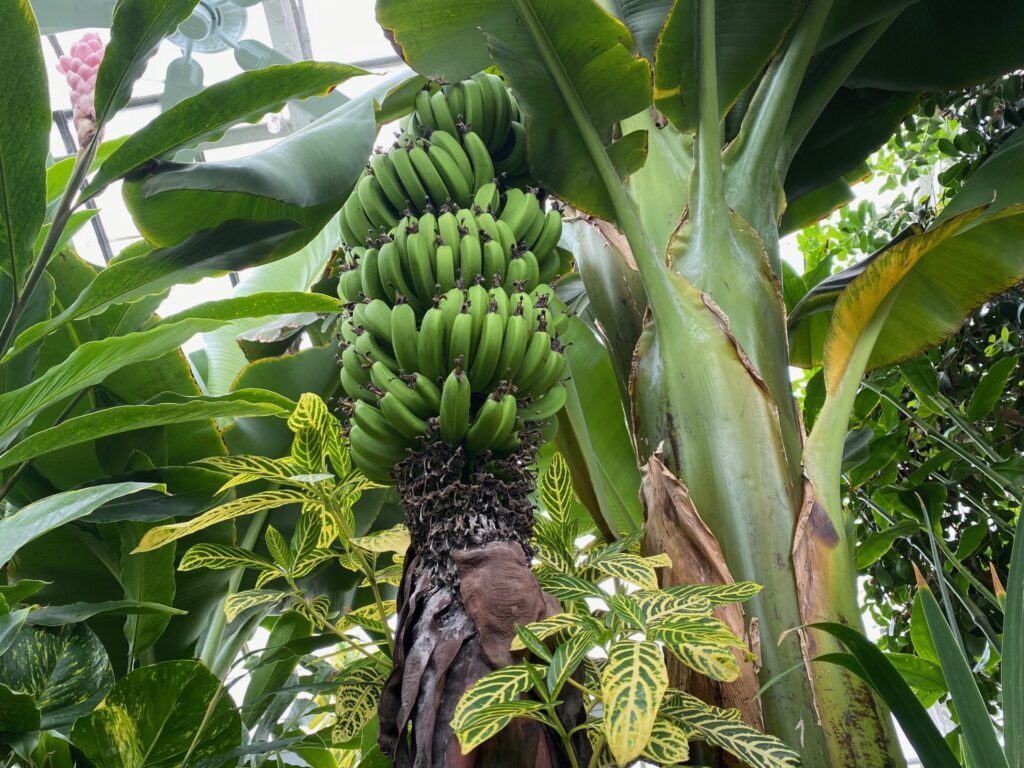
{"x":614,"y":655}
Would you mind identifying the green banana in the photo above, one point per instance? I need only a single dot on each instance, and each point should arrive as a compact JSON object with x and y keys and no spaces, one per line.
{"x":450,"y":144}
{"x":374,"y":203}
{"x":513,"y":162}
{"x":387,"y":177}
{"x":432,"y":181}
{"x":369,"y":275}
{"x":448,"y":228}
{"x":487,"y":351}
{"x":356,"y":389}
{"x":550,"y":373}
{"x":455,"y":403}
{"x":376,"y":318}
{"x":546,"y":406}
{"x":424,"y":109}
{"x":389,"y":382}
{"x":533,"y":360}
{"x":482,"y":433}
{"x":419,"y":260}
{"x":483,"y":166}
{"x":431,"y":344}
{"x":443,"y":118}
{"x":487,"y":197}
{"x":367,"y":344}
{"x":471,"y":261}
{"x":355,"y":364}
{"x":513,"y":347}
{"x":495,"y":265}
{"x":460,"y":341}
{"x":475,"y":111}
{"x":448,"y":170}
{"x":371,"y":421}
{"x":376,"y":449}
{"x":444,"y":260}
{"x":550,"y":234}
{"x":407,"y":423}
{"x":405,"y":337}
{"x":479,"y":302}
{"x":414,"y":189}
{"x":392,"y":275}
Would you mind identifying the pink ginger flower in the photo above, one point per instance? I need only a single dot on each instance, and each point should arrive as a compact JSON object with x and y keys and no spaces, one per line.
{"x":79,"y":69}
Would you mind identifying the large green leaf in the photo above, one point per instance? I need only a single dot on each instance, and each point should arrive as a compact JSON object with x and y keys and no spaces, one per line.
{"x":94,"y":361}
{"x":207,"y":115}
{"x":979,"y":733}
{"x":19,"y":717}
{"x":24,"y":139}
{"x":151,"y":717}
{"x":594,"y":438}
{"x":125,"y":418}
{"x":33,"y":521}
{"x":869,"y":663}
{"x":59,"y":615}
{"x":944,"y":44}
{"x":137,"y":28}
{"x":297,"y":272}
{"x":746,"y":36}
{"x":64,"y":669}
{"x":147,"y":578}
{"x":645,"y":19}
{"x":971,"y":253}
{"x":547,"y":51}
{"x":304,"y":178}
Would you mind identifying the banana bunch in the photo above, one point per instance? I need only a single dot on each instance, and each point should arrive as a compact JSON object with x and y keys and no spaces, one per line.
{"x":451,"y":327}
{"x":427,"y":256}
{"x":478,"y":368}
{"x":484,"y":105}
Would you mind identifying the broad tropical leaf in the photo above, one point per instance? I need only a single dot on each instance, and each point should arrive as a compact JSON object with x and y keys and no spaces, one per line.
{"x":152,"y":716}
{"x":206,"y":116}
{"x":717,"y":594}
{"x":368,"y":617}
{"x":747,"y":35}
{"x":477,"y":729}
{"x":125,"y":418}
{"x":24,"y":142}
{"x":567,"y":657}
{"x":632,"y":568}
{"x":64,"y":669}
{"x":311,"y":423}
{"x":565,"y":586}
{"x":44,"y":515}
{"x":248,"y":505}
{"x":137,"y":28}
{"x":59,"y":615}
{"x":632,"y":685}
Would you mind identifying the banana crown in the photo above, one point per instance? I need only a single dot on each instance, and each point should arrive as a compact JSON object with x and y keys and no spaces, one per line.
{"x":451,"y":331}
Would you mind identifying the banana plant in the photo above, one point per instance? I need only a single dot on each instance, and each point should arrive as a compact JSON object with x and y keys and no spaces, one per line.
{"x":690,"y":126}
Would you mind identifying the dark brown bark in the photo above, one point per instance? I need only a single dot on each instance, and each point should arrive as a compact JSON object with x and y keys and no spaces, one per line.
{"x":467,"y":583}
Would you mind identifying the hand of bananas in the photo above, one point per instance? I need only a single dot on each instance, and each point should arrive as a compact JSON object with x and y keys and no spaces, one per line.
{"x":451,"y":332}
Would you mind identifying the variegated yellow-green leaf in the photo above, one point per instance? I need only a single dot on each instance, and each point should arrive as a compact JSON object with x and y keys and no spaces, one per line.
{"x":668,"y":745}
{"x":726,"y":729}
{"x":567,"y":657}
{"x":265,"y":577}
{"x":717,"y":594}
{"x":627,"y":609}
{"x":482,"y":725}
{"x":555,"y":543}
{"x":632,"y":685}
{"x":306,"y":538}
{"x":330,"y":527}
{"x":555,"y":489}
{"x":310,"y":561}
{"x":391,"y":540}
{"x":258,"y":502}
{"x":311,"y":423}
{"x":662,"y":605}
{"x":367,"y":617}
{"x":499,"y":687}
{"x":702,"y":643}
{"x":632,"y":569}
{"x":249,"y":598}
{"x":337,"y":451}
{"x":278,"y":547}
{"x":315,"y":609}
{"x":246,"y":469}
{"x":391,"y":575}
{"x":565,"y":586}
{"x":355,"y":702}
{"x":560,"y":622}
{"x":219,"y":557}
